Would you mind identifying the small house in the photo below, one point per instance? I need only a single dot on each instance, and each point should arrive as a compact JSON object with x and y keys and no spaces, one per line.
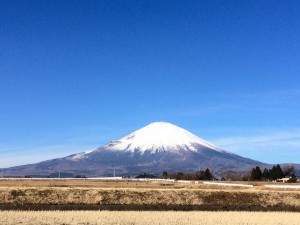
{"x":284,"y":180}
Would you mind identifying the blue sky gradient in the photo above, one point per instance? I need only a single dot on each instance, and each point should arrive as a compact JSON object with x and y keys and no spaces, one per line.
{"x":77,"y":74}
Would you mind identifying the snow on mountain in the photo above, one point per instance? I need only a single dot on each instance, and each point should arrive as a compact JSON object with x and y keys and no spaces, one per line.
{"x":158,"y":136}
{"x":82,"y":154}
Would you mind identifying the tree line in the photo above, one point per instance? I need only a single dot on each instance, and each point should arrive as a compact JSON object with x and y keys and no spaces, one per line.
{"x":199,"y":175}
{"x":255,"y":174}
{"x":276,"y":172}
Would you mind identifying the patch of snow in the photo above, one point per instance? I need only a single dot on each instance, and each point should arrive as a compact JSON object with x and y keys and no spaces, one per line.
{"x":81,"y":155}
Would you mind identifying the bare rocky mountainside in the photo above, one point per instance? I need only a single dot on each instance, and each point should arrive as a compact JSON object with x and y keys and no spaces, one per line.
{"x":153,"y":149}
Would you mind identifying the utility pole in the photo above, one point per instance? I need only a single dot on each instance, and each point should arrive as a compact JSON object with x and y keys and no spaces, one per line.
{"x":59,"y":174}
{"x":114,"y":171}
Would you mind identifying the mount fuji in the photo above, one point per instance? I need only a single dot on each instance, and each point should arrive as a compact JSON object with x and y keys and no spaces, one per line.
{"x":158,"y":147}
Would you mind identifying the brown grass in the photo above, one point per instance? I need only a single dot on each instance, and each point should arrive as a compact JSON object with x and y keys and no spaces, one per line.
{"x":207,"y":199}
{"x":122,"y":184}
{"x":141,"y":195}
{"x":147,"y":218}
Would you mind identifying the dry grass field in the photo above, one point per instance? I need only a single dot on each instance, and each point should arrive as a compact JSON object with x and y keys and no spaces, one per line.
{"x":150,"y":195}
{"x":121,"y":184}
{"x":87,"y":184}
{"x":134,"y":195}
{"x":147,"y":218}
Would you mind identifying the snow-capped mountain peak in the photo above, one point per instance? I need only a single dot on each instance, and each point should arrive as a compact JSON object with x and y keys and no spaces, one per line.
{"x":159,"y":136}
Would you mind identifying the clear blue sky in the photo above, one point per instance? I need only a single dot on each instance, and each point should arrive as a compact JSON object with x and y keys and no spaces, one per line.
{"x":77,"y":74}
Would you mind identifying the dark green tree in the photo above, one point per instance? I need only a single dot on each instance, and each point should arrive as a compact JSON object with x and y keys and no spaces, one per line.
{"x":204,"y":175}
{"x":256,"y":173}
{"x":279,"y":173}
{"x":266,"y":174}
{"x":208,"y":175}
{"x":276,"y":172}
{"x":165,"y":174}
{"x":272,"y":173}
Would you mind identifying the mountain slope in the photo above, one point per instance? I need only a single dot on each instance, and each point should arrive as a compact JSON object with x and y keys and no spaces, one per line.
{"x":155,"y":148}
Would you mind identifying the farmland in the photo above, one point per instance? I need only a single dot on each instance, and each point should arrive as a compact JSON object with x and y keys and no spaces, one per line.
{"x":146,"y":218}
{"x":146,"y":195}
{"x":67,"y":201}
{"x":123,"y":183}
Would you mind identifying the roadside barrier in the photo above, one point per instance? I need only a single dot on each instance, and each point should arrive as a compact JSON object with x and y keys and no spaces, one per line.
{"x":228,"y":184}
{"x":283,"y":186}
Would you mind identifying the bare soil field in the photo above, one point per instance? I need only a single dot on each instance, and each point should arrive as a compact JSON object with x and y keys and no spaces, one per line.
{"x":147,"y":218}
{"x":137,"y":195}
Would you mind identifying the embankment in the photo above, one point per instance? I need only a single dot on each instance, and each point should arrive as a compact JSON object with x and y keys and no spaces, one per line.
{"x":147,"y":199}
